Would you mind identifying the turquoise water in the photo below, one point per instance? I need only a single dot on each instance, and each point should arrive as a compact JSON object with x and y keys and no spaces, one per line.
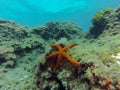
{"x":38,"y":12}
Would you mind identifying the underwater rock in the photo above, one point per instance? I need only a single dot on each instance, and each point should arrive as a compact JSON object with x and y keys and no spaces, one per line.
{"x":19,"y":39}
{"x":7,"y":56}
{"x":57,"y":30}
{"x":107,"y":20}
{"x":99,"y":22}
{"x":10,"y":30}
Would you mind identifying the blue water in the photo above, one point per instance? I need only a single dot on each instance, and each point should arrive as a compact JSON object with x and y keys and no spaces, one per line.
{"x":38,"y":12}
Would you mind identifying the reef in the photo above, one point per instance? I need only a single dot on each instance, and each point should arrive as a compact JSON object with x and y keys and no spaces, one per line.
{"x":27,"y":62}
{"x":99,"y":61}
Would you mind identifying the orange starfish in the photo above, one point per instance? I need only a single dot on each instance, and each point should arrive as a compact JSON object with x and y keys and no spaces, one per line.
{"x":61,"y":53}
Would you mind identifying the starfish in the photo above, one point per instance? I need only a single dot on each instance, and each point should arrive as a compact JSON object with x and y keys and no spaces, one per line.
{"x":60,"y":54}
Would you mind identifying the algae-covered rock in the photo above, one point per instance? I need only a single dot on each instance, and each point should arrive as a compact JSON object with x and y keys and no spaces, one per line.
{"x":99,"y":17}
{"x":32,"y":42}
{"x":16,"y":40}
{"x":57,"y":30}
{"x":99,"y":22}
{"x":105,"y":22}
{"x":11,"y":30}
{"x":7,"y":56}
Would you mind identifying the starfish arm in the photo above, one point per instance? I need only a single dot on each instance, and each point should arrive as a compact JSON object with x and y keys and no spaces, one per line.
{"x":58,"y":63}
{"x":52,"y":55}
{"x":53,"y":45}
{"x":70,"y":59}
{"x":69,"y":46}
{"x":57,"y":46}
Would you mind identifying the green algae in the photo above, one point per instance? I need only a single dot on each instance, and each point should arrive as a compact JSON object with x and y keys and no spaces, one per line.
{"x":99,"y":22}
{"x":99,"y":17}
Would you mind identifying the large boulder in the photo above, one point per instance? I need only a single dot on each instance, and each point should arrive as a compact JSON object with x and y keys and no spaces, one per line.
{"x":57,"y":30}
{"x":99,"y":22}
